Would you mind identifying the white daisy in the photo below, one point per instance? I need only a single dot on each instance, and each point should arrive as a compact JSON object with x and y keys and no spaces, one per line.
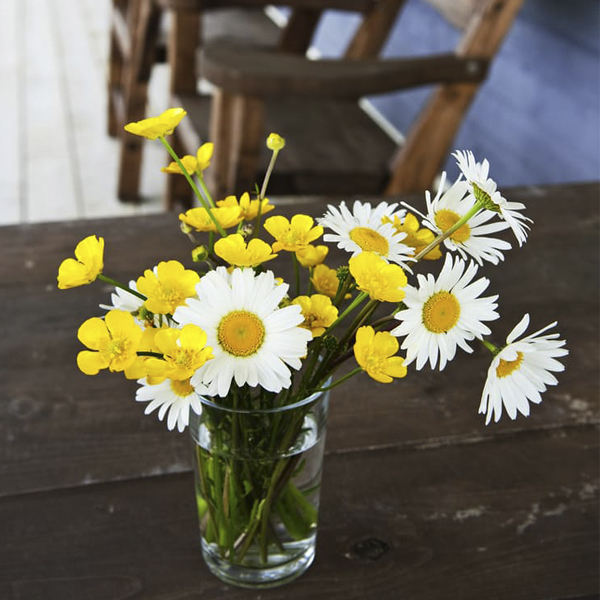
{"x":176,"y":397}
{"x":254,"y":341}
{"x":477,"y":175}
{"x":520,"y":371}
{"x":448,"y":207}
{"x":123,"y":300}
{"x":363,"y":230}
{"x":444,"y":314}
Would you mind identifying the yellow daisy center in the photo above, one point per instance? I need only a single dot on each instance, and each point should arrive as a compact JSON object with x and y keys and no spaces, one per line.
{"x":507,"y":367}
{"x":441,"y":312}
{"x":369,"y":240}
{"x":445,"y":219}
{"x":181,"y":388}
{"x":241,"y":333}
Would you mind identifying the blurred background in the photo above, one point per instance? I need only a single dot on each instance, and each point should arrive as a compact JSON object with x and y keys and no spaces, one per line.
{"x":536,"y":117}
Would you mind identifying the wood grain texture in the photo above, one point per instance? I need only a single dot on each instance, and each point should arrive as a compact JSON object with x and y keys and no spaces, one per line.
{"x":419,"y":497}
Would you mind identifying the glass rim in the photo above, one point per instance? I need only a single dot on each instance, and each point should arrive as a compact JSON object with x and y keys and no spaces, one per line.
{"x":206,"y":401}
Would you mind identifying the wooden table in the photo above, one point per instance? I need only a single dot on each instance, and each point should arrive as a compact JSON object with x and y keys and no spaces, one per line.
{"x":420,"y":499}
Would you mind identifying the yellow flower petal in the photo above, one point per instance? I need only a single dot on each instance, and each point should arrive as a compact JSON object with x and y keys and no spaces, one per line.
{"x":311,"y":256}
{"x":155,"y":127}
{"x":189,"y":164}
{"x":236,"y":252}
{"x":381,"y":280}
{"x":91,"y":363}
{"x":373,"y":353}
{"x":292,"y":235}
{"x":87,"y":265}
{"x":93,"y":333}
{"x":204,"y":155}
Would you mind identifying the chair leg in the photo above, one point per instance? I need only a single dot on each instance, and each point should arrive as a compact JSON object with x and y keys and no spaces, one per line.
{"x":247,"y":140}
{"x":144,"y":29}
{"x":418,"y":161}
{"x":221,"y":130}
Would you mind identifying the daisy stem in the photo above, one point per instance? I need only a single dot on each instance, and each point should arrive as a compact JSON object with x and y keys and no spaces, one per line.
{"x":203,"y":201}
{"x":358,"y":321}
{"x":340,"y":380}
{"x":263,"y":190}
{"x":120,"y":285}
{"x":493,"y":349}
{"x":438,"y":240}
{"x":356,"y":302}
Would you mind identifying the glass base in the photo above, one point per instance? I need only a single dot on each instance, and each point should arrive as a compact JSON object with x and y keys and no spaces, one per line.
{"x":282,"y":567}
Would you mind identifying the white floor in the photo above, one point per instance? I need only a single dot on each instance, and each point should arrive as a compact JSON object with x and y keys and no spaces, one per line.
{"x":57,"y":161}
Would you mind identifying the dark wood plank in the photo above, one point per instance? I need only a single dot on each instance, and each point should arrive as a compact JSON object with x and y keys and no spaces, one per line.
{"x":428,"y":524}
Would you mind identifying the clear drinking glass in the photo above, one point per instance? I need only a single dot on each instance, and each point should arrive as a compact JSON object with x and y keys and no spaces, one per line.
{"x":257,"y":483}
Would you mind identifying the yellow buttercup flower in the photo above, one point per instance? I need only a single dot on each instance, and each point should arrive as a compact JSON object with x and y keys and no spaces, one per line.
{"x":199,"y":219}
{"x":381,"y":280}
{"x":325,"y":280}
{"x":275,"y":142}
{"x":416,"y":238}
{"x":204,"y":155}
{"x":310,"y":256}
{"x":138,"y":368}
{"x":189,"y":163}
{"x":156,"y":127}
{"x":249,"y":207}
{"x":292,"y":235}
{"x":113,"y":341}
{"x":318,"y":313}
{"x":168,"y":288}
{"x":184,"y":351}
{"x":85,"y":267}
{"x":374,"y":352}
{"x":236,"y":252}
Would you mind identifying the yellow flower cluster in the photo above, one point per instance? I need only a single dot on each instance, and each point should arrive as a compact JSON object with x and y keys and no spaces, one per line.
{"x":148,"y":343}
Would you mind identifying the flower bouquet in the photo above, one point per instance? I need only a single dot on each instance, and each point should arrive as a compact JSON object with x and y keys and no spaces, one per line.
{"x":247,"y":360}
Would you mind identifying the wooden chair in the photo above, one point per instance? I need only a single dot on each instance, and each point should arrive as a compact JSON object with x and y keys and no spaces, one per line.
{"x":333,"y":146}
{"x":146,"y":32}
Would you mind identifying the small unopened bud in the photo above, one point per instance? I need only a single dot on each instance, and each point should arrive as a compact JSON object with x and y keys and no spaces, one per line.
{"x":330,"y":342}
{"x":199,"y":254}
{"x":342,"y":273}
{"x":275,"y":142}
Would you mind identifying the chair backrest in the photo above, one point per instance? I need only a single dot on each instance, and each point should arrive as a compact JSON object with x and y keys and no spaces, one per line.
{"x":484,"y":24}
{"x":246,"y":76}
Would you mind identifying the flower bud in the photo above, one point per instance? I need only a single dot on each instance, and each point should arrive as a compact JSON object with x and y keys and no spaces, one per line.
{"x":275,"y":142}
{"x":199,"y":254}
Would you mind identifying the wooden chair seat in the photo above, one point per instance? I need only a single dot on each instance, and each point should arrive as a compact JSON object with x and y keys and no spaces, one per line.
{"x":354,"y":160}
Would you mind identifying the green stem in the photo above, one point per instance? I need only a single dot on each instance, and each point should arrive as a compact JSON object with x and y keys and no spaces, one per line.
{"x":296,"y":272}
{"x":340,"y":380}
{"x":120,"y":285}
{"x":438,"y":240}
{"x":205,"y":191}
{"x":356,"y":302}
{"x":358,"y":321}
{"x":263,"y":190}
{"x":194,"y":187}
{"x":493,"y":349}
